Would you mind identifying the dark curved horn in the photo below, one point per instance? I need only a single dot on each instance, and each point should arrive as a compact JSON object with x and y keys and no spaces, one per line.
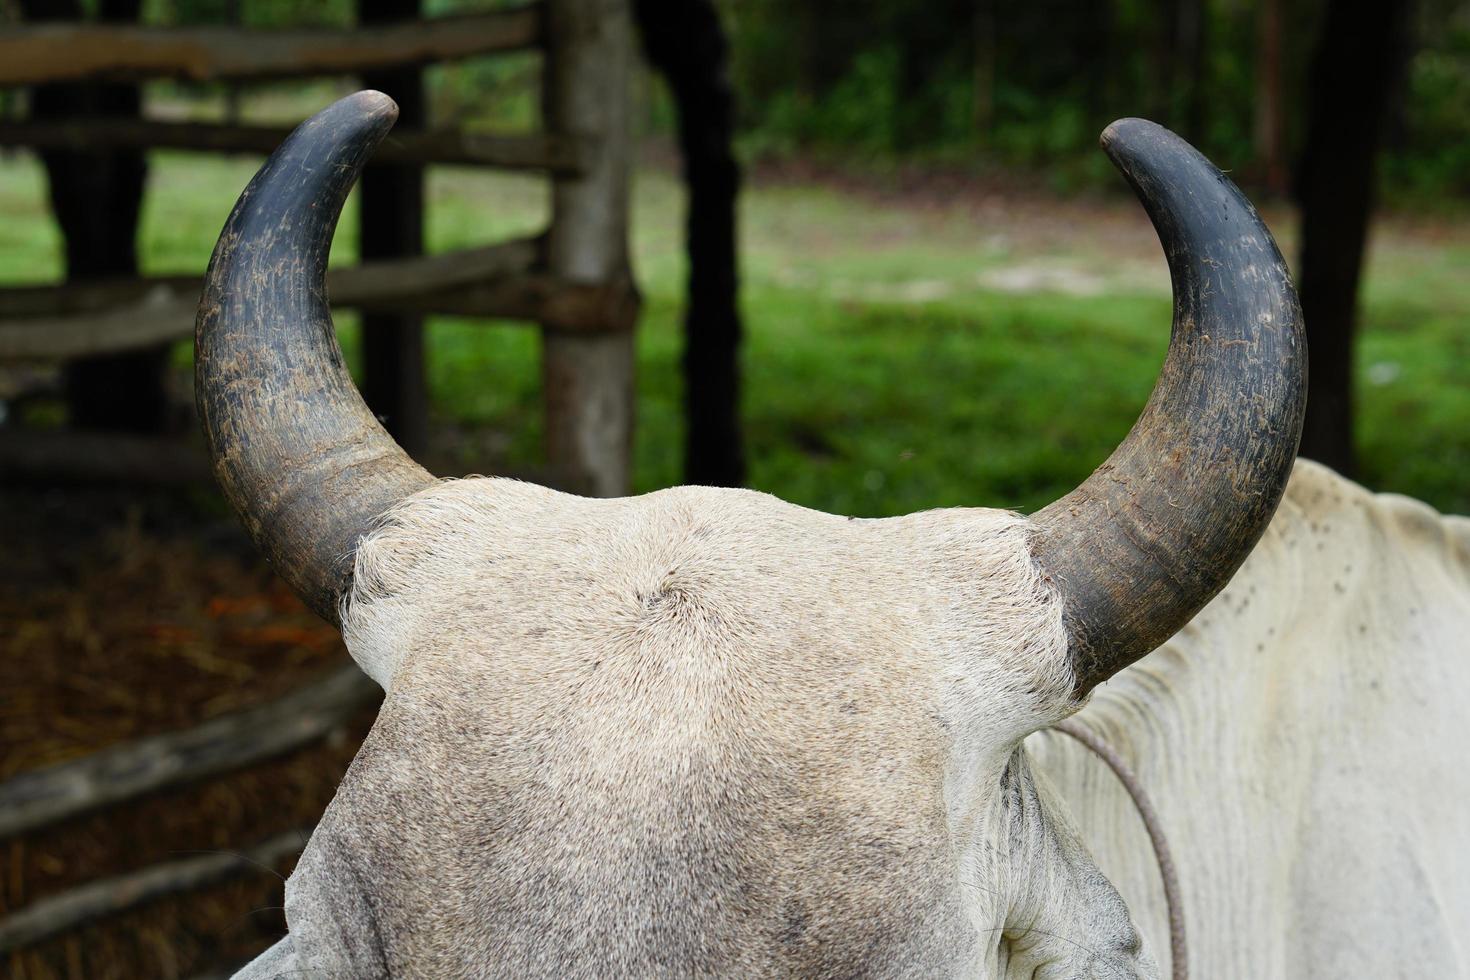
{"x":301,"y":459}
{"x":1157,"y":530}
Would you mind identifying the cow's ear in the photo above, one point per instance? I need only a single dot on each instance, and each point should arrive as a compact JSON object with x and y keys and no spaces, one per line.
{"x":1062,"y":892}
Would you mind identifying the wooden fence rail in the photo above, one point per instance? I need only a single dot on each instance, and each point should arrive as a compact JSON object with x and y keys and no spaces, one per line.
{"x":548,"y":152}
{"x":110,"y":896}
{"x":51,"y":456}
{"x":347,"y":284}
{"x":31,"y":54}
{"x":43,"y":796}
{"x":86,"y":319}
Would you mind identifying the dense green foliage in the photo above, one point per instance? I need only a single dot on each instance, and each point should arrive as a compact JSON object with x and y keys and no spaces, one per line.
{"x":1034,"y":83}
{"x":1432,"y":153}
{"x":978,"y":82}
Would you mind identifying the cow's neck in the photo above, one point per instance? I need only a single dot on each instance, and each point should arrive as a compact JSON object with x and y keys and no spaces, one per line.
{"x":1196,"y":719}
{"x":1316,"y":685}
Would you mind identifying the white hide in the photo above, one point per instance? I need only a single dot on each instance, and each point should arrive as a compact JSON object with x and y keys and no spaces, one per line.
{"x":1303,"y":741}
{"x":700,"y":732}
{"x":705,"y":731}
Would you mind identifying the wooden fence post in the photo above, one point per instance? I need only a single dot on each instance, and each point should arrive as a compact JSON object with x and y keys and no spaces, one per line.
{"x":589,"y":379}
{"x":684,"y":41}
{"x":96,"y":197}
{"x":392,"y":226}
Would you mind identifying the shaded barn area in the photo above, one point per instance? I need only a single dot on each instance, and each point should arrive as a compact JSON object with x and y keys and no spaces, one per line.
{"x":174,"y":721}
{"x":134,"y":616}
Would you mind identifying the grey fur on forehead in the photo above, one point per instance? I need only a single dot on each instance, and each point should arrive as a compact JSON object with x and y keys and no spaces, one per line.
{"x":731,"y":567}
{"x":700,"y":731}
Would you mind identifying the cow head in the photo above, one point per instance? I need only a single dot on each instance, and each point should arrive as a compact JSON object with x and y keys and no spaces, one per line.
{"x":704,"y":730}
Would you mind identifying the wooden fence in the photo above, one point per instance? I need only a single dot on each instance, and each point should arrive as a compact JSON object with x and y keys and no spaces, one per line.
{"x":124,"y":773}
{"x":573,"y":280}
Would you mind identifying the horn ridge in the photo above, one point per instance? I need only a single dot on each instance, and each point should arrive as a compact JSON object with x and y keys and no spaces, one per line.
{"x":298,"y":454}
{"x":1158,"y":529}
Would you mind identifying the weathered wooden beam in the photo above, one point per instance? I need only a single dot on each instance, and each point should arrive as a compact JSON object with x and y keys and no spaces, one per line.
{"x":52,"y":455}
{"x":58,"y":322}
{"x":111,"y":896}
{"x":372,"y":285}
{"x":548,"y":152}
{"x":93,"y":296}
{"x":123,"y":772}
{"x":572,"y":309}
{"x":31,"y":54}
{"x":351,"y":285}
{"x":160,"y":316}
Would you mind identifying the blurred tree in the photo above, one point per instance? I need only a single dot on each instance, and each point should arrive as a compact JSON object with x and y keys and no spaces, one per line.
{"x":1033,"y":84}
{"x":685,"y":42}
{"x":96,"y":196}
{"x":982,"y":86}
{"x":1362,"y":50}
{"x":1270,"y":121}
{"x":391,"y":225}
{"x":1179,"y":65}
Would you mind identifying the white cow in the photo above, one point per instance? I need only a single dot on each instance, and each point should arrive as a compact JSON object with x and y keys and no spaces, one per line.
{"x":708,"y":732}
{"x":1299,"y":740}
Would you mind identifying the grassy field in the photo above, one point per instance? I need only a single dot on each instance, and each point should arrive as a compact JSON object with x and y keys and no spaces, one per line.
{"x":908,"y":347}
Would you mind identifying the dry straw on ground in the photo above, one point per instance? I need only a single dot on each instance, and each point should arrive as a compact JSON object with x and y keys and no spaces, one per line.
{"x":121,"y":620}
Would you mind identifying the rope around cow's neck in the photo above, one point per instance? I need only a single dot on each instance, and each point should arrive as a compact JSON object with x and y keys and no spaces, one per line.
{"x":1177,"y":950}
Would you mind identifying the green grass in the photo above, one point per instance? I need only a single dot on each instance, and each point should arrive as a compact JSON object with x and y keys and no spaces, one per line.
{"x":883,"y":373}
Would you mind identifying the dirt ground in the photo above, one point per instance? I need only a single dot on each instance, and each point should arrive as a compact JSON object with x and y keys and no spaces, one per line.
{"x":130,"y":615}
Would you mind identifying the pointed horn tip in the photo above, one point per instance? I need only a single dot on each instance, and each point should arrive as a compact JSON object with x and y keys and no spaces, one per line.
{"x":1126,"y":140}
{"x":361,"y":115}
{"x":1129,"y":128}
{"x":374,"y":103}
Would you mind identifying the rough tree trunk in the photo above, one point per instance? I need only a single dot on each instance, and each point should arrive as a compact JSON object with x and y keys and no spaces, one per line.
{"x":1358,"y":60}
{"x":1270,"y":120}
{"x":982,"y":78}
{"x":685,"y":43}
{"x":1190,"y":23}
{"x":96,"y":197}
